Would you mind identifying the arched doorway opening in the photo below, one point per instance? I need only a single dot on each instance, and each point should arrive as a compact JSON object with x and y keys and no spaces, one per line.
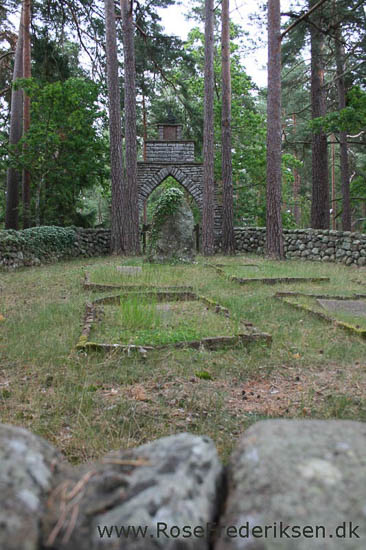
{"x":146,"y":213}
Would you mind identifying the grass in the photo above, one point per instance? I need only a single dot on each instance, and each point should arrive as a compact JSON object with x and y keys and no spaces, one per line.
{"x":89,"y":404}
{"x":151,"y":274}
{"x":142,"y":321}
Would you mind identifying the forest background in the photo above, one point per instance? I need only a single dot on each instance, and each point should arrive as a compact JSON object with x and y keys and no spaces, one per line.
{"x":66,"y":148}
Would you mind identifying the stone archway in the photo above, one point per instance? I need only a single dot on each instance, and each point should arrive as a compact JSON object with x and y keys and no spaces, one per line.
{"x":170,"y":155}
{"x":150,"y":177}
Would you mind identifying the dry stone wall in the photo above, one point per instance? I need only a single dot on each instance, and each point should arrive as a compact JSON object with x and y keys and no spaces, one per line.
{"x":305,"y":244}
{"x":41,"y":245}
{"x":308,"y":244}
{"x":289,"y":485}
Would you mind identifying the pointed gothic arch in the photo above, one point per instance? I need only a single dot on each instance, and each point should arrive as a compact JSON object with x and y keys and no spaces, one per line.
{"x":170,"y":155}
{"x":160,"y":175}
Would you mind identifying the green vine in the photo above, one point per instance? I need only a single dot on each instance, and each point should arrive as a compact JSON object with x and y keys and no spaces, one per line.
{"x":167,"y":204}
{"x":43,"y":241}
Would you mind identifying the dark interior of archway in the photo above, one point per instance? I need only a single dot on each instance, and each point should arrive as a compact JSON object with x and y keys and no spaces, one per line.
{"x":169,"y":182}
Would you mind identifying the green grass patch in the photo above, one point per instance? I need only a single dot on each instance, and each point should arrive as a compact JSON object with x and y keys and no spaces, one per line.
{"x":145,"y":321}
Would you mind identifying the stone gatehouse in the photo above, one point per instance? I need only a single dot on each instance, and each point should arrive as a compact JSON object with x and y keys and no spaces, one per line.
{"x":170,"y":155}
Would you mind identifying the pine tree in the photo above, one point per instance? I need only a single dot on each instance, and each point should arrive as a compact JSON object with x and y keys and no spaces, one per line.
{"x":228,"y":244}
{"x":131,"y":215}
{"x":16,"y":125}
{"x":208,"y":238}
{"x":274,"y":236}
{"x":26,"y":106}
{"x":115,"y":130}
{"x":320,"y":217}
{"x":341,"y":89}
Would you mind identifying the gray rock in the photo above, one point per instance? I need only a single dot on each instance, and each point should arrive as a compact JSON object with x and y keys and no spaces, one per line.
{"x":162,"y":486}
{"x":298,"y":473}
{"x":175,"y":239}
{"x":355,"y":307}
{"x":27,"y":463}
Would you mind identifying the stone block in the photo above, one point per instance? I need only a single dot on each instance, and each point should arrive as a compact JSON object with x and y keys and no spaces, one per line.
{"x":27,"y":464}
{"x":162,"y":486}
{"x":296,"y":476}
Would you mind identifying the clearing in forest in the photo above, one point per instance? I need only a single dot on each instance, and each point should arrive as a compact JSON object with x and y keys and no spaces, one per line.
{"x":89,"y":403}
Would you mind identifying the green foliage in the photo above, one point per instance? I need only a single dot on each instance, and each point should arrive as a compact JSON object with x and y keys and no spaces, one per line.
{"x":351,"y":119}
{"x":50,"y":61}
{"x":42,"y":241}
{"x":65,"y":149}
{"x":204,"y":375}
{"x":167,"y":204}
{"x":248,"y":125}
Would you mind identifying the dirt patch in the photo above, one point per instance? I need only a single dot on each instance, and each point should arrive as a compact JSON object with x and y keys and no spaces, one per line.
{"x":291,"y":393}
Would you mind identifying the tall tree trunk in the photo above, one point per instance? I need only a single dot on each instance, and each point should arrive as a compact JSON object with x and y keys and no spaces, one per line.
{"x":228,"y":244}
{"x":208,"y":237}
{"x":144,"y":123}
{"x":297,"y":184}
{"x":274,"y":235}
{"x":341,"y":86}
{"x":115,"y":130}
{"x":26,"y":106}
{"x":16,"y":128}
{"x":320,"y":218}
{"x":131,"y":229}
{"x":333,"y":186}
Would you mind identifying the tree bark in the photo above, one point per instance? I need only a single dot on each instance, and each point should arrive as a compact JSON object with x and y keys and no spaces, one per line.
{"x":26,"y":106}
{"x":208,"y":237}
{"x":131,"y":217}
{"x":333,"y":187}
{"x":341,"y":87}
{"x":228,"y":243}
{"x":115,"y":130}
{"x":320,"y":217}
{"x":274,"y":235}
{"x":297,"y":184}
{"x":16,"y":129}
{"x":144,"y":124}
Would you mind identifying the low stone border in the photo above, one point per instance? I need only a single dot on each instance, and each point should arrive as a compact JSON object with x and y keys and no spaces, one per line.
{"x":321,"y":296}
{"x":100,"y":287}
{"x":267,"y":280}
{"x":318,"y":314}
{"x":93,"y":313}
{"x":241,"y":265}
